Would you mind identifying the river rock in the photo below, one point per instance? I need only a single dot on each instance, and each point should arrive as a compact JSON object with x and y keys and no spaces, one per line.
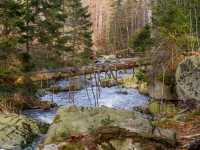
{"x":154,"y":89}
{"x":41,"y":92}
{"x":78,"y":120}
{"x":17,"y":131}
{"x":188,"y":78}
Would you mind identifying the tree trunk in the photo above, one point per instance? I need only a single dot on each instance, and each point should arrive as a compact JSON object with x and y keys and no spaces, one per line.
{"x":75,"y":71}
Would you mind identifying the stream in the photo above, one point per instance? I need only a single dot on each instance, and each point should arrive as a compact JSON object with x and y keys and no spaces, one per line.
{"x":108,"y":97}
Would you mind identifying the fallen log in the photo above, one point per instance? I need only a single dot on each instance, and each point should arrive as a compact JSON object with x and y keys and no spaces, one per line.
{"x":6,"y":80}
{"x":80,"y":70}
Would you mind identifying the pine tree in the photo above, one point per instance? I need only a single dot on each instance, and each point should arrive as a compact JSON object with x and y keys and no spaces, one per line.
{"x":10,"y":22}
{"x":142,"y":40}
{"x":171,"y":20}
{"x":78,"y":30}
{"x":25,"y":21}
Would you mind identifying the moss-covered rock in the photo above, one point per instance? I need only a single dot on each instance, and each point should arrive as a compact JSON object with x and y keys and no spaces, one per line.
{"x":84,"y":120}
{"x":17,"y":130}
{"x":74,"y":119}
{"x":154,"y":108}
{"x":188,"y":79}
{"x":41,"y":92}
{"x":168,"y":109}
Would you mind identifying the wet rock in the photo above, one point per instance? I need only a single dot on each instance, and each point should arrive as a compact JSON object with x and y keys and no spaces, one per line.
{"x":188,"y":78}
{"x":122,"y":92}
{"x":41,"y":92}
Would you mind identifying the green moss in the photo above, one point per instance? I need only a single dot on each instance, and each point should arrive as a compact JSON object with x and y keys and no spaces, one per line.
{"x":105,"y":147}
{"x":29,"y":141}
{"x":65,"y":134}
{"x":43,"y":128}
{"x":141,"y":76}
{"x":154,"y":108}
{"x":168,"y":123}
{"x":56,"y":118}
{"x":196,"y":113}
{"x":167,"y":78}
{"x":73,"y":146}
{"x":6,"y":71}
{"x":40,"y":146}
{"x":19,"y":105}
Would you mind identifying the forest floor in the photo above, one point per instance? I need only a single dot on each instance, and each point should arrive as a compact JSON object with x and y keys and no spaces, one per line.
{"x":186,"y":132}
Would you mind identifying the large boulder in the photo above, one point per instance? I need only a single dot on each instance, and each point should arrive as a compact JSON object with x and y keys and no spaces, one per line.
{"x":18,"y":131}
{"x":157,"y":90}
{"x":81,"y":120}
{"x":188,"y":78}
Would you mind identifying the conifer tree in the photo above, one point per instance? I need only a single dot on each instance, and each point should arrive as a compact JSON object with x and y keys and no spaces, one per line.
{"x":142,"y":40}
{"x":171,"y":20}
{"x":29,"y":20}
{"x":10,"y":22}
{"x":78,"y":29}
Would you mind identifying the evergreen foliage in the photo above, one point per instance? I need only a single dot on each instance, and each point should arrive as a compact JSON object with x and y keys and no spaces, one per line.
{"x":78,"y":31}
{"x":61,"y":25}
{"x":142,"y":40}
{"x":172,"y":21}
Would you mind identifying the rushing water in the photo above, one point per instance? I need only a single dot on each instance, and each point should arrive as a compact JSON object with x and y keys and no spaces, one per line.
{"x":86,"y":97}
{"x":106,"y":96}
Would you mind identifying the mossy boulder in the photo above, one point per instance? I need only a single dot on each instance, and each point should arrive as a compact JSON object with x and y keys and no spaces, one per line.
{"x":74,"y":119}
{"x":83,"y":120}
{"x":17,"y":131}
{"x":188,"y":78}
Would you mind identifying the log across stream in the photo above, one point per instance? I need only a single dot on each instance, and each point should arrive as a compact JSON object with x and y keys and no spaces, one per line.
{"x":80,"y":70}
